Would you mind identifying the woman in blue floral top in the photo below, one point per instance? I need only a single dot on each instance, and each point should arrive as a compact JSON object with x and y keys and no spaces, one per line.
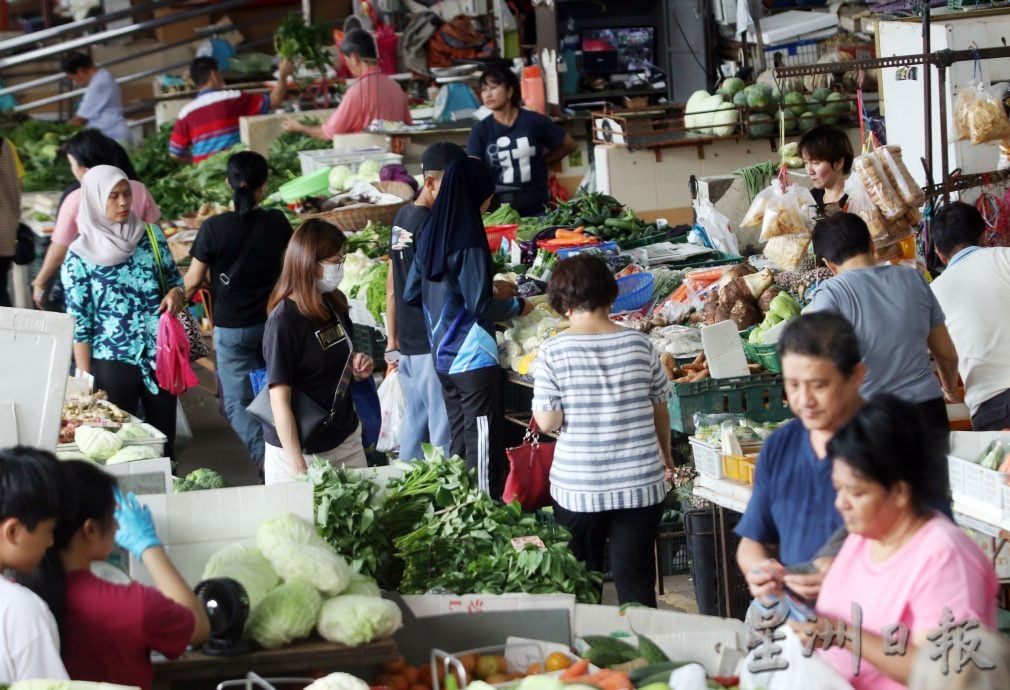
{"x":114,"y":293}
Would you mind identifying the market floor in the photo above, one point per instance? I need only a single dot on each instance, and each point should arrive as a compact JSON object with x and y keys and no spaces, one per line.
{"x":215,"y":446}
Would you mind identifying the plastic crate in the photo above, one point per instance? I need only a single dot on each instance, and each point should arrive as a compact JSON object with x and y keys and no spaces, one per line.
{"x":765,"y":355}
{"x":972,"y":481}
{"x":717,"y":259}
{"x":709,"y":460}
{"x":318,"y":159}
{"x":672,"y":554}
{"x":739,"y":467}
{"x":496,"y":233}
{"x":760,"y":397}
{"x":643,"y":242}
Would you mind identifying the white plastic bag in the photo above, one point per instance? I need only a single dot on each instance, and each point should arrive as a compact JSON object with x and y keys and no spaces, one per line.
{"x":717,"y":228}
{"x":801,"y":673}
{"x":392,"y":404}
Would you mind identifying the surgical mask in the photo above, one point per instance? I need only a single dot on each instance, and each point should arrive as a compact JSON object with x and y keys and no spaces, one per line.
{"x":332,"y":275}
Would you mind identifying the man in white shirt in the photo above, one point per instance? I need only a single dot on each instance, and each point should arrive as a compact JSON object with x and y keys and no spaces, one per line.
{"x":102,"y":105}
{"x":974,"y":292}
{"x":29,"y":503}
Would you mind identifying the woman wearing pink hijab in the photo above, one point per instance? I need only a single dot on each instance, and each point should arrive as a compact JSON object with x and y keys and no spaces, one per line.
{"x":113,"y":277}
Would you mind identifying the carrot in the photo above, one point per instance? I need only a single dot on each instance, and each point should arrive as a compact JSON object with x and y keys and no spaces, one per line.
{"x":579,"y":668}
{"x":680,"y":294}
{"x":616,"y":681}
{"x":707,"y":274}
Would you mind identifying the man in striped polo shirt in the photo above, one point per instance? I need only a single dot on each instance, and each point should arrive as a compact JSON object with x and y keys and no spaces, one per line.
{"x":210,"y":122}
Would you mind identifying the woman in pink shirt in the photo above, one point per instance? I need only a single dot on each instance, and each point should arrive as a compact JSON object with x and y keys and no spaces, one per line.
{"x":904,"y":570}
{"x":85,"y":150}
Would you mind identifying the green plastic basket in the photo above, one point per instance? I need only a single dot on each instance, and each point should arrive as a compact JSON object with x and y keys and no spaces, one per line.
{"x":316,"y":183}
{"x":760,"y":397}
{"x":643,"y":242}
{"x":765,"y":355}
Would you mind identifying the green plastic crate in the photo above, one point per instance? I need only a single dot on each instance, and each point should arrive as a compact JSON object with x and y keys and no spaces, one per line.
{"x":643,"y":242}
{"x":761,"y":397}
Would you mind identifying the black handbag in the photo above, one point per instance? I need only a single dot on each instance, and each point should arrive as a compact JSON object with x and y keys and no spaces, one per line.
{"x":310,"y":417}
{"x":24,"y":245}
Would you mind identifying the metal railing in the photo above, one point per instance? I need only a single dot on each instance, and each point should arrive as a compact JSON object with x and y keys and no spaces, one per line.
{"x":105,"y":36}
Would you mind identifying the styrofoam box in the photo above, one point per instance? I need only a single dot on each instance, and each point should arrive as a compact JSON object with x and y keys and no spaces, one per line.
{"x":352,"y":158}
{"x":708,"y":456}
{"x":156,"y":440}
{"x":194,"y":525}
{"x":974,"y":482}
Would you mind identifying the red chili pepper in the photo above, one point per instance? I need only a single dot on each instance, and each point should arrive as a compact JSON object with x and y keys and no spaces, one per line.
{"x":727,"y":681}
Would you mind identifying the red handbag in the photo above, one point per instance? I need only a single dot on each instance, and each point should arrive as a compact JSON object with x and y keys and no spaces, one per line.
{"x":528,"y":480}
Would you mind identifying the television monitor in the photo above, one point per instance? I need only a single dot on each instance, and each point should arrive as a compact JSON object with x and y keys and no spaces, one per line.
{"x":618,"y":50}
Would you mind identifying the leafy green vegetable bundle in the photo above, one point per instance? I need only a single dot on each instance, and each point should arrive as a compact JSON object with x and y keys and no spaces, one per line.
{"x":433,"y":528}
{"x":303,"y":42}
{"x":38,"y":144}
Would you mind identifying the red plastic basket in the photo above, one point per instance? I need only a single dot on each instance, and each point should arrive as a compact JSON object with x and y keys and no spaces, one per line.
{"x":495,"y":234}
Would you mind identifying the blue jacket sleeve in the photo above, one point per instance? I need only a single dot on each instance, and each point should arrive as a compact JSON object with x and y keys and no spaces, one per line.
{"x":475,"y":283}
{"x":77,"y":296}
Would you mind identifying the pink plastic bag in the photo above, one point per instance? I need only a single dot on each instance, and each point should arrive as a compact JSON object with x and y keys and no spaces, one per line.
{"x":171,"y":361}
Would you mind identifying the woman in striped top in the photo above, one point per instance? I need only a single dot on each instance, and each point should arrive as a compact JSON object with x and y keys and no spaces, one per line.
{"x":603,"y":386}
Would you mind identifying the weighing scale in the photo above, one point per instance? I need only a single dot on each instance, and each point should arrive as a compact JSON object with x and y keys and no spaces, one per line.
{"x":455,"y":99}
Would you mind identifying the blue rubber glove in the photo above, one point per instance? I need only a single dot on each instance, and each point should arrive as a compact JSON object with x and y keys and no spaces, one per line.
{"x":136,"y":532}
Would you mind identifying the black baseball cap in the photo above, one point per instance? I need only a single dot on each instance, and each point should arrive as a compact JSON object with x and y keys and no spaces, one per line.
{"x":438,"y":156}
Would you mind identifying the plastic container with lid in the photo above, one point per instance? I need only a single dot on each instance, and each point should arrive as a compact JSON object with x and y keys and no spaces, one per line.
{"x":533,"y":89}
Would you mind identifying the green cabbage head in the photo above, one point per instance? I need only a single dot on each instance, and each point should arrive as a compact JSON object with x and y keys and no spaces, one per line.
{"x":288,"y":612}
{"x":354,"y":619}
{"x":248,"y":566}
{"x":297,"y":552}
{"x":97,"y":444}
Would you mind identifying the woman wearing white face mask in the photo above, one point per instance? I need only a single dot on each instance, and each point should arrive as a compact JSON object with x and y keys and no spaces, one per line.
{"x":307,"y":348}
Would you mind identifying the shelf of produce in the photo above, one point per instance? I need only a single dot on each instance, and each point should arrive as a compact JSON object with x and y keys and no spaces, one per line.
{"x":298,"y":658}
{"x":726,"y":493}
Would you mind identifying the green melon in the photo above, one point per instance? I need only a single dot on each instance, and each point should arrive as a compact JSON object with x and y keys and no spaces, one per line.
{"x":807,"y":120}
{"x":761,"y":125}
{"x":788,"y":119}
{"x":796,"y":103}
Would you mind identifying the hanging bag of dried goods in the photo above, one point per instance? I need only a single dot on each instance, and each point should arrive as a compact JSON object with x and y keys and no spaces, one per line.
{"x":786,"y":212}
{"x":987,"y":120}
{"x":904,"y":183}
{"x":862,"y":205}
{"x":756,"y":213}
{"x":878,"y":185}
{"x":787,"y":251}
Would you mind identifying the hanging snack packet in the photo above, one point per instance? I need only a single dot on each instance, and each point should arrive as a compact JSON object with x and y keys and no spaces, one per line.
{"x":878,"y":185}
{"x":962,"y":107}
{"x":987,"y":120}
{"x":785,"y":212}
{"x":756,"y":213}
{"x":904,"y":183}
{"x":787,"y":251}
{"x":862,"y":205}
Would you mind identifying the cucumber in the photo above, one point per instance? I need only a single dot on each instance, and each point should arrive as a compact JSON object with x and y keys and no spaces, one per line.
{"x":650,"y":651}
{"x":608,"y":651}
{"x":657,"y":673}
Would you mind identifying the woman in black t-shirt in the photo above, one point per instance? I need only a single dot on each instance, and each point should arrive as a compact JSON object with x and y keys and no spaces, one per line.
{"x":307,"y":347}
{"x":827,"y":157}
{"x":240,"y":252}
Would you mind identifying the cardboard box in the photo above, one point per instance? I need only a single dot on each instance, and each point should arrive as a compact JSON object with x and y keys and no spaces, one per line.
{"x":177,"y":31}
{"x":195,"y":525}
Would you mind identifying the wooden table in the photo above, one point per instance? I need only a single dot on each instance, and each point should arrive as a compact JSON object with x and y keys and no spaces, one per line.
{"x":302,"y":658}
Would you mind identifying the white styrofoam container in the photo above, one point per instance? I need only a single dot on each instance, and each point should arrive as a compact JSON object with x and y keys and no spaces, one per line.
{"x":352,"y":158}
{"x":34,"y":358}
{"x":156,"y":440}
{"x":194,"y":525}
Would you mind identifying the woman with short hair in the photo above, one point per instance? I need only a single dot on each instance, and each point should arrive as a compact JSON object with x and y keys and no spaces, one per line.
{"x":604,"y":388}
